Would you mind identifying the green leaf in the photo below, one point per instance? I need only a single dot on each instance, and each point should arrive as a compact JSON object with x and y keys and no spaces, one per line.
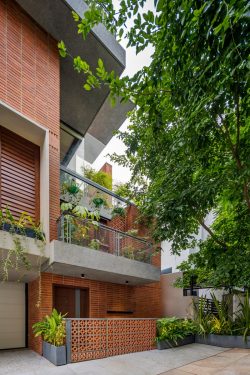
{"x":87,"y":87}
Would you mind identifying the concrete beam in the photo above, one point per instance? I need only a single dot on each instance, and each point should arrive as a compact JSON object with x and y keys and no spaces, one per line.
{"x":73,"y":260}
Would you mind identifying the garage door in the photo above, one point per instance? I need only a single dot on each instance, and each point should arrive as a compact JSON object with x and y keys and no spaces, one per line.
{"x":12,"y":315}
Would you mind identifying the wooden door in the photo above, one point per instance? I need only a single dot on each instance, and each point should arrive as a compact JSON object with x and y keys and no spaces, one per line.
{"x":73,"y":301}
{"x":19,"y":175}
{"x":64,"y":301}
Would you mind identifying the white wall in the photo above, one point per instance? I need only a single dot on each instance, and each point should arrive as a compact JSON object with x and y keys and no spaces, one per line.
{"x":170,"y":260}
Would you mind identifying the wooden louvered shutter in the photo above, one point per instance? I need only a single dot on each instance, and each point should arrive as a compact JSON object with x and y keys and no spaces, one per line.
{"x":19,"y":175}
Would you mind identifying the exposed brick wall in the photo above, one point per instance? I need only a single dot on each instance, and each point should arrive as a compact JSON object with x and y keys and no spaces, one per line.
{"x":144,"y":300}
{"x":107,"y":168}
{"x":34,"y":313}
{"x":30,"y":82}
{"x":103,"y":338}
{"x":130,"y":221}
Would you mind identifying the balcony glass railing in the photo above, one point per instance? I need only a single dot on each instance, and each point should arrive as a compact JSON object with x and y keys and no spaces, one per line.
{"x":84,"y":192}
{"x":74,"y":230}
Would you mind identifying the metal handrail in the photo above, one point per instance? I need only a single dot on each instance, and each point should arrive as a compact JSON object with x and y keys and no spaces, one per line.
{"x":95,"y":185}
{"x":73,"y":229}
{"x":100,"y":225}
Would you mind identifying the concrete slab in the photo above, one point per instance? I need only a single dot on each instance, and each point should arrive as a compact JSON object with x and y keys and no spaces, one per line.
{"x":26,"y":362}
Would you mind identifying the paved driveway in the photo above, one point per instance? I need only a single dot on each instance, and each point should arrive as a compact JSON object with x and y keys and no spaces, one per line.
{"x":154,"y":362}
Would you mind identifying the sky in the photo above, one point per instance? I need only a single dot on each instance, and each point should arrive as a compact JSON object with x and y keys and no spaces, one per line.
{"x":133,"y":64}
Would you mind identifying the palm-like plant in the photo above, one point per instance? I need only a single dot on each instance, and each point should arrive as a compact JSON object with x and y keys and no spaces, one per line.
{"x":242,"y":320}
{"x":222,"y":322}
{"x":202,"y":316}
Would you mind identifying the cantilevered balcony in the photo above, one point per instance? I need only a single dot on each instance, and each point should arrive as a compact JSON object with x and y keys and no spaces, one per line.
{"x":94,"y":250}
{"x":99,"y":237}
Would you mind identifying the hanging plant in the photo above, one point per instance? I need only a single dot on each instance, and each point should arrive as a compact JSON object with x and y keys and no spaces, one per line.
{"x":17,"y":256}
{"x":99,"y":202}
{"x":73,"y":188}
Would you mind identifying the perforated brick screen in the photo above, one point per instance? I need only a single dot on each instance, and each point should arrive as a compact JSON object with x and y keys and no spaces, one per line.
{"x":99,"y":338}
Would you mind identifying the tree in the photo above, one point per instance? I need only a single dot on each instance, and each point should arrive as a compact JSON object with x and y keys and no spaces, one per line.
{"x":190,"y":133}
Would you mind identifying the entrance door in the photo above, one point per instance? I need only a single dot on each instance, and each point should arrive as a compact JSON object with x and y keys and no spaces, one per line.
{"x":12,"y":315}
{"x":73,"y":301}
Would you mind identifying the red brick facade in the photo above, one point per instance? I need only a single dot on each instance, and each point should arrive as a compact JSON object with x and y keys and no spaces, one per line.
{"x":142,"y":301}
{"x":30,"y":83}
{"x":130,"y":221}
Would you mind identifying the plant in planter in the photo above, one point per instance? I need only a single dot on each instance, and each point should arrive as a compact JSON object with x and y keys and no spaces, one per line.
{"x":71,"y":192}
{"x":53,"y":333}
{"x":132,"y":232}
{"x":118,"y":211}
{"x":242,"y":321}
{"x":221,"y":329}
{"x":16,"y":257}
{"x":99,"y":202}
{"x":128,"y":252}
{"x":95,"y":244}
{"x":78,"y":222}
{"x":173,"y":332}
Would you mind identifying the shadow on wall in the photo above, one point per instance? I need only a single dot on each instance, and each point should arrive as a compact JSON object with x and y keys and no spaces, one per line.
{"x":173,"y":301}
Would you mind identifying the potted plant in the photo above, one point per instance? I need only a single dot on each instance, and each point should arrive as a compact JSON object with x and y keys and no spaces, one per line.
{"x":172,"y":332}
{"x":53,"y":333}
{"x":118,"y":211}
{"x":99,"y":202}
{"x":24,"y":225}
{"x":95,"y":244}
{"x":132,"y":232}
{"x":220,"y":328}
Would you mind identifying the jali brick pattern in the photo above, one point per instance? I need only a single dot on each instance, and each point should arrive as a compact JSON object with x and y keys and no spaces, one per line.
{"x":99,"y":338}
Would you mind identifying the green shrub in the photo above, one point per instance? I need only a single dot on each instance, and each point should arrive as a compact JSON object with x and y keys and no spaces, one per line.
{"x":51,"y":328}
{"x":100,"y":177}
{"x":174,"y":329}
{"x":242,"y":321}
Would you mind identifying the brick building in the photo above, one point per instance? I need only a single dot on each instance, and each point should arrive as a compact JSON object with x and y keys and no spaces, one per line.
{"x":49,"y":129}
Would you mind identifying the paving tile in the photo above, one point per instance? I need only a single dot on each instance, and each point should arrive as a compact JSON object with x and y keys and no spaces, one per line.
{"x":239,"y":350}
{"x":192,"y":368}
{"x":230,"y":354}
{"x":230,"y":371}
{"x":215,"y":362}
{"x":174,"y":372}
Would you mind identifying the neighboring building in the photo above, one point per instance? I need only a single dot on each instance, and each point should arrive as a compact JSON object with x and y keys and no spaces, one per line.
{"x":49,"y":127}
{"x":176,"y":301}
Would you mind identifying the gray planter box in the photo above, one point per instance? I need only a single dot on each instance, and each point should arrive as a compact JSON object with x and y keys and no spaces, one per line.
{"x":167,"y":344}
{"x":224,"y":341}
{"x":54,"y":354}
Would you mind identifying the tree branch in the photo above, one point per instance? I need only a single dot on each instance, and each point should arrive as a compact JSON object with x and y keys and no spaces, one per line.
{"x":235,"y":152}
{"x":219,"y":242}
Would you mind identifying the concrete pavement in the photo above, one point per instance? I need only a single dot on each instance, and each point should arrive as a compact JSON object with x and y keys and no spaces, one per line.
{"x":154,"y":362}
